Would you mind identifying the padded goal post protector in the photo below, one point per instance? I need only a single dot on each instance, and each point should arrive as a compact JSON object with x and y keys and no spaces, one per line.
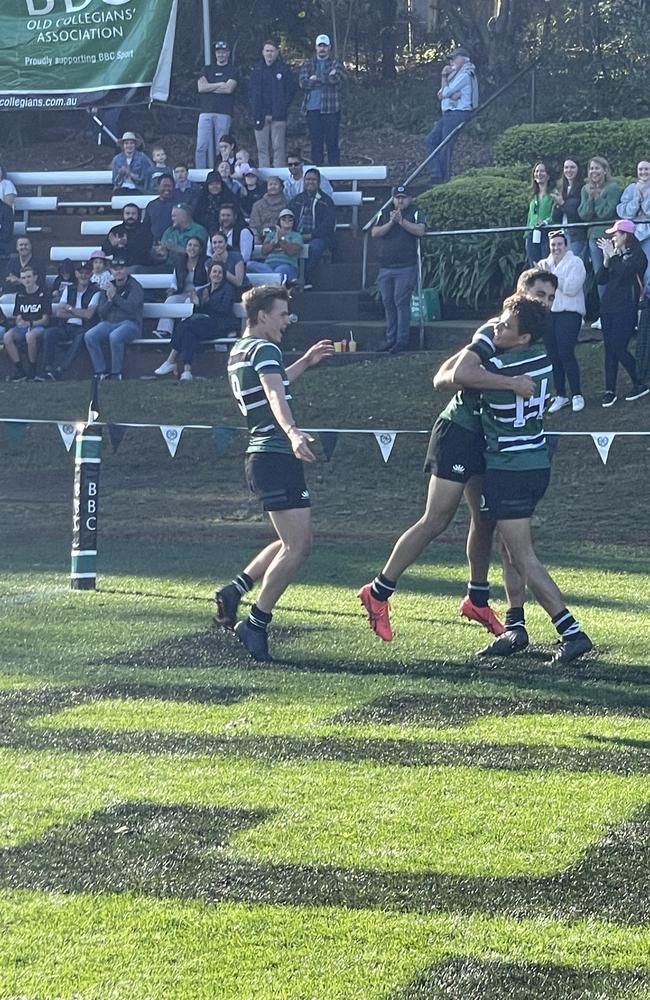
{"x":87,"y":465}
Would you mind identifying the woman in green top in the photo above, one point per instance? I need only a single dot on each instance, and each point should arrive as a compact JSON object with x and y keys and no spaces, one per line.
{"x":598,"y":202}
{"x":540,"y":211}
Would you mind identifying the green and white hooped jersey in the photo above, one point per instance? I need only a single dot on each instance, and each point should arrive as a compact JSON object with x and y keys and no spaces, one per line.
{"x":464,"y":408}
{"x":513,"y":426}
{"x":250,"y":359}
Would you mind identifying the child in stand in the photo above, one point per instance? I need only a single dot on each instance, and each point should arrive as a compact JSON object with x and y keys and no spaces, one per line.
{"x":159,"y":157}
{"x":242,"y":164}
{"x":101,"y":273}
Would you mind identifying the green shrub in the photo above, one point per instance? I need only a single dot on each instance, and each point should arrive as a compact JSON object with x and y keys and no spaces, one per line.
{"x":476,"y":271}
{"x":623,"y":143}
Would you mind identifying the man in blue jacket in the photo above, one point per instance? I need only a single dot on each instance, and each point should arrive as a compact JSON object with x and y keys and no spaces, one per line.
{"x":272,"y":87}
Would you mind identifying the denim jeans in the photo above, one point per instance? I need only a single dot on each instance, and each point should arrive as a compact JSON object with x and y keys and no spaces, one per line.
{"x":396,"y":285}
{"x":324,"y":131}
{"x":537,"y":251}
{"x":596,"y":255}
{"x":317,"y":248}
{"x":209,"y":130}
{"x":117,"y":335}
{"x":440,"y":165}
{"x":74,"y":332}
{"x":261,"y":267}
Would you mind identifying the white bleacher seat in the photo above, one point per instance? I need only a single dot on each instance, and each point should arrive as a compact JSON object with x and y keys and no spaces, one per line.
{"x":74,"y":253}
{"x":352,"y":173}
{"x":264,"y":279}
{"x":118,"y":201}
{"x":36,"y":204}
{"x":167,"y":310}
{"x":61,"y":178}
{"x":99,"y":227}
{"x":20,"y":228}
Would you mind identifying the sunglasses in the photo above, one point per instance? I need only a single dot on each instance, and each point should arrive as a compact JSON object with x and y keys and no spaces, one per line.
{"x":294,"y":163}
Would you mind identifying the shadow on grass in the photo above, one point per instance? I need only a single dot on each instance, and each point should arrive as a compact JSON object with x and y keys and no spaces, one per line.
{"x":180,"y":851}
{"x":473,"y":979}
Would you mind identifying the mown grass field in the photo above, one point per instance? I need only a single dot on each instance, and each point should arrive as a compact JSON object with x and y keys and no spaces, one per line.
{"x":358,"y":820}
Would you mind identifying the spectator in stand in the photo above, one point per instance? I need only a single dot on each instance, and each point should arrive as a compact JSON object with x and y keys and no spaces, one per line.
{"x":621,"y":277}
{"x":6,"y":236}
{"x":567,"y":313}
{"x":131,"y":167}
{"x":172,"y":244}
{"x":540,"y":211}
{"x":321,"y":79}
{"x":101,"y":273}
{"x":566,"y":201}
{"x":598,"y":201}
{"x":225,"y":173}
{"x":7,"y":188}
{"x":120,"y":313}
{"x":216,"y":87}
{"x":158,"y":213}
{"x":32,"y":315}
{"x":252,"y":191}
{"x":232,"y":261}
{"x":23,"y":257}
{"x":132,"y":238}
{"x":458,"y":96}
{"x":272,"y":87}
{"x":214,"y":317}
{"x":635,"y":205}
{"x":185,"y":193}
{"x":190,"y":271}
{"x":315,"y":220}
{"x":160,"y":168}
{"x":295,"y":183}
{"x":266,"y":210}
{"x":65,"y":275}
{"x":213,"y":195}
{"x":281,"y":249}
{"x":399,"y":233}
{"x":242,"y":164}
{"x":239,"y":237}
{"x":77,"y":308}
{"x":227,"y":151}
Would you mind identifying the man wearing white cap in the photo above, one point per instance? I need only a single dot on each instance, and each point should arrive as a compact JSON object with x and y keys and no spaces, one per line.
{"x":321,"y":79}
{"x":131,"y":167}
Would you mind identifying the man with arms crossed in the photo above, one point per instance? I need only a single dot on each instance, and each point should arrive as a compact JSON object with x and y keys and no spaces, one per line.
{"x":517,"y":465}
{"x":274,"y":459}
{"x":456,"y":464}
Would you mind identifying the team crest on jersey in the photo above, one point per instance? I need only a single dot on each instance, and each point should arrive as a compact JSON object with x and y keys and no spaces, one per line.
{"x":460,"y":469}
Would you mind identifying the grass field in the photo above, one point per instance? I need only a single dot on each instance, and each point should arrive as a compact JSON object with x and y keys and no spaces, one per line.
{"x":358,"y":820}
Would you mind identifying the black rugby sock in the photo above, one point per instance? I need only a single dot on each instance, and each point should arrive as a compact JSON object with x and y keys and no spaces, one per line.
{"x":382,"y":588}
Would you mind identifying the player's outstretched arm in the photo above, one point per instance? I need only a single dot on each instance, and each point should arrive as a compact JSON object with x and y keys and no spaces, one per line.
{"x":469,"y":373}
{"x":299,"y":440}
{"x":311,"y":357}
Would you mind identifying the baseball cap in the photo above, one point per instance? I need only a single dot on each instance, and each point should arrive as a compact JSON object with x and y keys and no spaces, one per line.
{"x":119,"y":261}
{"x":251,"y":170}
{"x":98,"y":254}
{"x":84,"y":265}
{"x":459,"y":52}
{"x":401,"y":189}
{"x":286,"y":211}
{"x":323,"y":40}
{"x":221,"y":45}
{"x":622,"y":226}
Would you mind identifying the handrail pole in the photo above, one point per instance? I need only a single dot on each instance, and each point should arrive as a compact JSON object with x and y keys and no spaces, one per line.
{"x":420,"y":297}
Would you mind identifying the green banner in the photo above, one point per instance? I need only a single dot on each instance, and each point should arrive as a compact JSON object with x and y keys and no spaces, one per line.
{"x":58,"y":54}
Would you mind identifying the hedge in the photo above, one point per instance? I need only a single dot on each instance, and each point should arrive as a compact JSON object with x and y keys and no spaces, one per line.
{"x":478,"y":271}
{"x":623,"y":143}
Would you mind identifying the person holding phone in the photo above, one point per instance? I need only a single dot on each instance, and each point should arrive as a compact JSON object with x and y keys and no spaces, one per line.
{"x":458,"y":96}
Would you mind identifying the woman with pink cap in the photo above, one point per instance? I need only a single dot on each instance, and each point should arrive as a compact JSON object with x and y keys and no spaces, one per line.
{"x":621,"y":280}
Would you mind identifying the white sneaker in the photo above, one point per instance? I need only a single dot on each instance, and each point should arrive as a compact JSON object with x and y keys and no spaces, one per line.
{"x":597,"y":325}
{"x":558,"y":403}
{"x":165,"y":368}
{"x":578,"y":403}
{"x":186,"y":377}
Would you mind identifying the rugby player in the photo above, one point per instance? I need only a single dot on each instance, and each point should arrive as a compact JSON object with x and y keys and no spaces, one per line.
{"x":517,"y":465}
{"x":274,"y":469}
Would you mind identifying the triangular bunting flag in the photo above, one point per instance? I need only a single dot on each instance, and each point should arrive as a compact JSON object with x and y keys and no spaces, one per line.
{"x":603,"y":442}
{"x":16,"y":431}
{"x":116,"y":434}
{"x":68,"y":432}
{"x":223,"y":437}
{"x":385,"y":440}
{"x":172,"y":436}
{"x":328,"y":440}
{"x":93,"y":406}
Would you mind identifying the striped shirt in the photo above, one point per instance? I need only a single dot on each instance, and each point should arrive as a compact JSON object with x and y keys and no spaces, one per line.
{"x":465,"y":407}
{"x":513,"y":426}
{"x":250,"y":359}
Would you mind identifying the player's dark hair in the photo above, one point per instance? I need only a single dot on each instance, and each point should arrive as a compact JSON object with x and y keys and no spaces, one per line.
{"x":28,"y":267}
{"x":271,"y":41}
{"x":531,"y":315}
{"x":313,"y":170}
{"x":261,"y":299}
{"x":528,"y":278}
